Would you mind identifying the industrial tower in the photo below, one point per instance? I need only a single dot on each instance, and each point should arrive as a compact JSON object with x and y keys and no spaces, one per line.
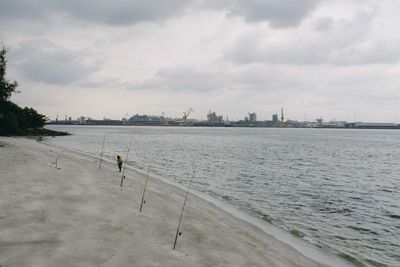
{"x":282,"y":124}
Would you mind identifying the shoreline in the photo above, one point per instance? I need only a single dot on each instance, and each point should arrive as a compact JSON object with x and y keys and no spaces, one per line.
{"x":213,"y":234}
{"x":365,"y":126}
{"x":37,"y":133}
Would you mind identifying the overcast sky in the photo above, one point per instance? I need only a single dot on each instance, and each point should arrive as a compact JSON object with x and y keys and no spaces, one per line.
{"x":336,"y":59}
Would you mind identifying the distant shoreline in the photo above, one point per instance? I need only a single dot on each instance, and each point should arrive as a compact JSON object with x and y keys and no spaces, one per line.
{"x":360,"y":127}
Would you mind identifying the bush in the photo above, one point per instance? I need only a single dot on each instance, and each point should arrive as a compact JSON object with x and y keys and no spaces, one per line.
{"x":15,"y":120}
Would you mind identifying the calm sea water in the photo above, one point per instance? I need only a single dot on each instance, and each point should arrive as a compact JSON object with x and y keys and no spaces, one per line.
{"x":338,"y":189}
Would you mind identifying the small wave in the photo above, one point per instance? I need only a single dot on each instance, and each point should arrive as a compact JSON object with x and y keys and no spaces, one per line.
{"x":297,"y":233}
{"x":264,"y":216}
{"x":363,"y":230}
{"x":345,"y":210}
{"x":375,"y":263}
{"x":339,"y":237}
{"x":394,"y":216}
{"x":302,"y":164}
{"x":267,"y":218}
{"x":356,"y":198}
{"x":330,"y":210}
{"x":387,"y":190}
{"x":351,"y":259}
{"x":226,"y":197}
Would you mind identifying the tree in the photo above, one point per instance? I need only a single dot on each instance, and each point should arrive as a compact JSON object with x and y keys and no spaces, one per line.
{"x":14,"y":120}
{"x":6,"y":87}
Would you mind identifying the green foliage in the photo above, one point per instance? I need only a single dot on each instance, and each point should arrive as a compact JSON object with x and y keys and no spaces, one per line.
{"x":14,"y":120}
{"x":30,"y":118}
{"x":6,"y":87}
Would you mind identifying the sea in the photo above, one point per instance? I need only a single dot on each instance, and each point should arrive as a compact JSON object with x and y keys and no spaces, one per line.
{"x":338,"y":189}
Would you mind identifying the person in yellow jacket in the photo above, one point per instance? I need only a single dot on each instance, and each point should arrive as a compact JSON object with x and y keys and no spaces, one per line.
{"x":120,"y":161}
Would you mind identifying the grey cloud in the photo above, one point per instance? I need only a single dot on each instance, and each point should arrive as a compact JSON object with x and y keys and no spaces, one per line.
{"x":104,"y":82}
{"x":123,"y":11}
{"x":251,"y":49}
{"x":42,"y":61}
{"x":268,"y":79}
{"x":376,"y":52}
{"x":340,"y":43}
{"x":183,"y":79}
{"x":323,"y":23}
{"x":253,"y":79}
{"x":31,"y":10}
{"x":282,"y":13}
{"x":119,"y":12}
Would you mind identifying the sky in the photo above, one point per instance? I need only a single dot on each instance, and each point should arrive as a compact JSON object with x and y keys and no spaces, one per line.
{"x":335,"y":59}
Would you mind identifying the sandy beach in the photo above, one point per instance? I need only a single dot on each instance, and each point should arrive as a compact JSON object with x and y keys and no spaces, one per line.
{"x":78,"y":215}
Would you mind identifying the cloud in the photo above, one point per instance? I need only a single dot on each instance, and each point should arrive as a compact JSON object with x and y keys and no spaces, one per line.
{"x":282,"y":13}
{"x":30,"y":10}
{"x":122,"y":12}
{"x":43,"y":61}
{"x":183,"y":79}
{"x":315,"y":56}
{"x":323,"y":23}
{"x":119,"y":12}
{"x":327,"y":41}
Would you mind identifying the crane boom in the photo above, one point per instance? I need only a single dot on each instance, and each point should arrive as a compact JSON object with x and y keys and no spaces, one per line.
{"x":186,"y":115}
{"x":282,"y":123}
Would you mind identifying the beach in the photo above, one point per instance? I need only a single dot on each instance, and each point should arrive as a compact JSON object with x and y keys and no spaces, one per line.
{"x":74,"y":214}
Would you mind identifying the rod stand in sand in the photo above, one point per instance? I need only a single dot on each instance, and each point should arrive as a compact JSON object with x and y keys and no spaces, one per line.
{"x":144,"y":190}
{"x":102,"y":151}
{"x":178,"y":232}
{"x":56,"y":160}
{"x":126,"y":160}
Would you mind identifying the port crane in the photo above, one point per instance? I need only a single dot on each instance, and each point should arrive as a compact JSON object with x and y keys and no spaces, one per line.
{"x":186,"y":115}
{"x":282,"y":123}
{"x":125,"y":119}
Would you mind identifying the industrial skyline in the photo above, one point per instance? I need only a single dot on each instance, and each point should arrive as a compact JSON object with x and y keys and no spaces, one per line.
{"x":214,"y":119}
{"x":188,"y":114}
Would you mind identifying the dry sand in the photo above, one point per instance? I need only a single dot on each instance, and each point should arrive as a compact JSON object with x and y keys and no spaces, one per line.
{"x":78,"y":215}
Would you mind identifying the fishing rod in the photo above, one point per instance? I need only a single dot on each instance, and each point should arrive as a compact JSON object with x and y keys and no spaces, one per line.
{"x":144,"y":190}
{"x":178,"y":232}
{"x":56,"y":161}
{"x":126,"y":160}
{"x":102,"y":150}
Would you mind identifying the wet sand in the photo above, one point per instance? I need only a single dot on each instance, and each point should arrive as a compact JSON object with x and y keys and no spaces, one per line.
{"x":78,"y":215}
